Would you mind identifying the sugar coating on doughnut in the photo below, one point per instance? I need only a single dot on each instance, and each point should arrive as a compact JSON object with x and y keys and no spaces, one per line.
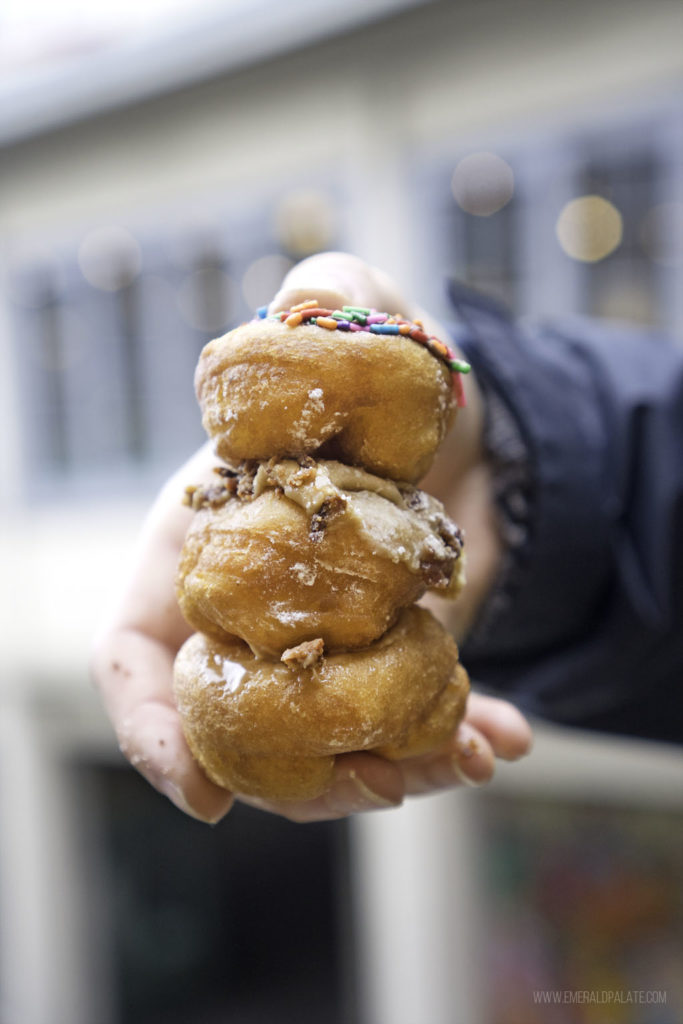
{"x":268,"y":389}
{"x":272,"y":730}
{"x":287,"y":552}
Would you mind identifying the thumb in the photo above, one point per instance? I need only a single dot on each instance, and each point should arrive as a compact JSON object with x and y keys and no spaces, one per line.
{"x":335,"y":279}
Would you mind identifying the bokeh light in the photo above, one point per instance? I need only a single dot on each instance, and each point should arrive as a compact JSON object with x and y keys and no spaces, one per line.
{"x":482,"y":184}
{"x":109,"y":258}
{"x":262,"y":279}
{"x":589,"y":228}
{"x":305,"y":222}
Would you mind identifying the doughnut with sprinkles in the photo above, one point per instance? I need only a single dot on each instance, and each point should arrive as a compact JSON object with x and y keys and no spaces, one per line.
{"x":363,"y":387}
{"x":303,"y":567}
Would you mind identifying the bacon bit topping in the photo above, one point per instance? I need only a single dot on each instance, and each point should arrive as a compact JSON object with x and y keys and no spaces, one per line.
{"x":304,"y":655}
{"x":320,"y":519}
{"x":218,"y":494}
{"x":246,"y":477}
{"x":437,"y":574}
{"x":303,"y":475}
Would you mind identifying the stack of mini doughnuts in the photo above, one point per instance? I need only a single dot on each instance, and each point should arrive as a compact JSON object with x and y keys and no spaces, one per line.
{"x":305,"y":559}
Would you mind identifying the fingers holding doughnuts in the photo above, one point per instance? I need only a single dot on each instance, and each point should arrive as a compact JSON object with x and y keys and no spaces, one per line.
{"x":338,"y":278}
{"x":364,"y":782}
{"x":502,"y":724}
{"x":134,"y":672}
{"x":492,"y":729}
{"x":132,"y":657}
{"x":360,"y":782}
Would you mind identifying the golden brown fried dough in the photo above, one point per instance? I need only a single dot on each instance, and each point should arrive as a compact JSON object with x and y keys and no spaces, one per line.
{"x":319,"y":550}
{"x":272,"y":729}
{"x":267,"y":389}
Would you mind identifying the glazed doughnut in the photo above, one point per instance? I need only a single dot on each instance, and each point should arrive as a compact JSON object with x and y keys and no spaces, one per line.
{"x":301,"y":574}
{"x":361,"y":387}
{"x":272,"y":729}
{"x":335,"y":551}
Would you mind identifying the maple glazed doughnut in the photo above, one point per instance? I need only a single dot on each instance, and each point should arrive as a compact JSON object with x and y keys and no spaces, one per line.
{"x":272,"y":729}
{"x":354,"y":385}
{"x":287,"y":551}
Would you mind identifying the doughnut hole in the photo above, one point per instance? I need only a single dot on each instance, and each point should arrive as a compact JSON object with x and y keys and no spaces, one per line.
{"x":383,"y":403}
{"x":255,"y":570}
{"x":270,"y":730}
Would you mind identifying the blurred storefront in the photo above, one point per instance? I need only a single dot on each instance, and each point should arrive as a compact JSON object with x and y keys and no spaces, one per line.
{"x":153,"y":192}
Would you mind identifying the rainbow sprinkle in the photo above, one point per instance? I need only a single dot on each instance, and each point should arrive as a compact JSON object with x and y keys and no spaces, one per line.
{"x":362,"y":318}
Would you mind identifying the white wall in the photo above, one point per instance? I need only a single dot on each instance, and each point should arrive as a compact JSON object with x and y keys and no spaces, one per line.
{"x":449,"y":68}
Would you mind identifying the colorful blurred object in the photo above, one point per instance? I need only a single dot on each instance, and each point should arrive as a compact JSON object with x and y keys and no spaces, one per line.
{"x":584,"y":910}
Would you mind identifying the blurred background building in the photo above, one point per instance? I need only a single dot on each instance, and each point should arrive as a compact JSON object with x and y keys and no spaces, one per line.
{"x":160,"y":169}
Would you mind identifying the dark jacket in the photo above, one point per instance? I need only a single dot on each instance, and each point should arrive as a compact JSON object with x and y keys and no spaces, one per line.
{"x":587,"y":625}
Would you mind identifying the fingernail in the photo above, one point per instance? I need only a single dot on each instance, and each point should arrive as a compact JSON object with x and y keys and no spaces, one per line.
{"x":175,"y":794}
{"x":157,"y":774}
{"x":463,"y":760}
{"x":465,"y":779}
{"x":351,"y":795}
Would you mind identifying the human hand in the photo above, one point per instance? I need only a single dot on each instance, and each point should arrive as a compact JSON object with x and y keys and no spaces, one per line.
{"x":134,"y":653}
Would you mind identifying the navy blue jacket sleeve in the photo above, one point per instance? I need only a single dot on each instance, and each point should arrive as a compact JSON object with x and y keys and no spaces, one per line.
{"x":592,"y":631}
